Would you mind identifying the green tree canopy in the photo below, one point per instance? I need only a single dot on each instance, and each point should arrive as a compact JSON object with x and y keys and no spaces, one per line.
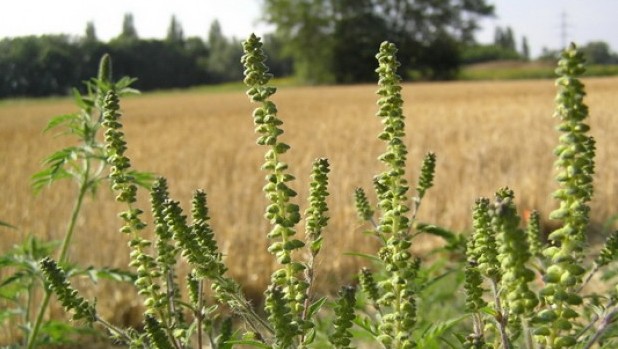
{"x":324,"y":36}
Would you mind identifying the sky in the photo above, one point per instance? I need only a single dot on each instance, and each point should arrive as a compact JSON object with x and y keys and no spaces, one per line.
{"x":543,"y":22}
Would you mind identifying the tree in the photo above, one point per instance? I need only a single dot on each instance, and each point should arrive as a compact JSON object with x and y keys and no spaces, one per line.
{"x":128,"y":28}
{"x":504,"y":38}
{"x":525,"y":49}
{"x":598,"y":52}
{"x":224,"y":55}
{"x":305,"y":27}
{"x":357,"y":36}
{"x":320,"y":35}
{"x":91,"y":33}
{"x":175,"y":34}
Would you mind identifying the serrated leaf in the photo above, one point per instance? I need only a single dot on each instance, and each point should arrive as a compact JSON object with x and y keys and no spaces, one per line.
{"x":143,"y":179}
{"x":435,"y":331}
{"x":59,"y":120}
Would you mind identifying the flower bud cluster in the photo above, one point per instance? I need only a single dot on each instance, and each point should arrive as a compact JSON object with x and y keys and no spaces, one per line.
{"x":67,"y":295}
{"x":283,"y":215}
{"x":398,"y":291}
{"x":533,"y":231}
{"x":513,"y":254}
{"x":363,"y":208}
{"x":428,"y":169}
{"x":280,"y":316}
{"x":122,"y":181}
{"x":609,"y":252}
{"x":483,"y":251}
{"x":316,"y":218}
{"x":344,"y":318}
{"x":369,"y":286}
{"x":575,"y":164}
{"x":156,"y":334}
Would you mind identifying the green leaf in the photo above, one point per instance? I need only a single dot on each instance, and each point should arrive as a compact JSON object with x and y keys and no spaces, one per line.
{"x":366,"y":325}
{"x":7,"y":225}
{"x":437,"y":231}
{"x":114,"y":274}
{"x":249,"y":342}
{"x":434,"y":332}
{"x":314,"y":308}
{"x":489,"y":311}
{"x":55,"y":170}
{"x":363,"y":255}
{"x":143,"y":179}
{"x":59,"y":120}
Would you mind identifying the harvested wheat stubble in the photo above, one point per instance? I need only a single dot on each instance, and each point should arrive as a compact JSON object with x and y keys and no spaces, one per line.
{"x":486,"y":135}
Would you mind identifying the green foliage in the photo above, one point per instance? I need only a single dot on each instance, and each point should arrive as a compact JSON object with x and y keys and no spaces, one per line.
{"x":329,"y":40}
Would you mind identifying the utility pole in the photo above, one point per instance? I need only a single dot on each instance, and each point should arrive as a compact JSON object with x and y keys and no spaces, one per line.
{"x":564,"y":30}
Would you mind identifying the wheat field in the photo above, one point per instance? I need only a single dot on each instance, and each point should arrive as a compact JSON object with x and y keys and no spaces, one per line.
{"x":486,"y":135}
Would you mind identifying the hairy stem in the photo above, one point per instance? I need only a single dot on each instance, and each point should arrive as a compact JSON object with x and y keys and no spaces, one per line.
{"x":501,"y":318}
{"x":83,"y":188}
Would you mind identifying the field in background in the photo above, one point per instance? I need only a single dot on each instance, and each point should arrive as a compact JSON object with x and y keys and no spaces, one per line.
{"x":486,"y":135}
{"x":515,"y":70}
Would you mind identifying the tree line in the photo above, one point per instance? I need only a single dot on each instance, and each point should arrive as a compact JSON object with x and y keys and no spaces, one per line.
{"x":319,"y":41}
{"x":53,"y":64}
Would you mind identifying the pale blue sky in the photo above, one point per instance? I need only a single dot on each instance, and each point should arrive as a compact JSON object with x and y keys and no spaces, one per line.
{"x":539,"y":20}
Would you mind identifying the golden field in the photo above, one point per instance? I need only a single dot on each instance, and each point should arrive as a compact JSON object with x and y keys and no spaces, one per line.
{"x":486,"y":135}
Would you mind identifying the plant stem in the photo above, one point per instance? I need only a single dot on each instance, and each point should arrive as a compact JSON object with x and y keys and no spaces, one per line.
{"x":601,"y":331}
{"x":500,"y":317}
{"x":198,"y":313}
{"x":83,"y":188}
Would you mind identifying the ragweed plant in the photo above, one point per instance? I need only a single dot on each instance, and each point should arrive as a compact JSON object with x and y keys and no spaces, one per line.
{"x":394,"y":289}
{"x":575,"y":166}
{"x":288,"y":298}
{"x":553,"y":315}
{"x":84,"y":163}
{"x":520,"y":291}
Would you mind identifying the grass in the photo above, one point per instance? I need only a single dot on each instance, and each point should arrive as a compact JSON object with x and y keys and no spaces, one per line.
{"x":518,"y":70}
{"x":199,"y":139}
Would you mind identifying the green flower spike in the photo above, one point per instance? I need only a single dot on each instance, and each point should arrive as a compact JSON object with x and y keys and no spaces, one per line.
{"x":68,"y":296}
{"x":425,"y":180}
{"x":534,"y":234}
{"x":203,"y":235}
{"x":166,"y":252}
{"x":513,"y":254}
{"x":609,"y":252}
{"x":116,"y":146}
{"x":316,"y":213}
{"x":484,"y":251}
{"x":575,"y":165}
{"x":369,"y":286}
{"x":473,"y":281}
{"x":394,"y":226}
{"x":282,"y":214}
{"x":156,"y":334}
{"x":344,"y":318}
{"x":363,"y":208}
{"x":280,"y":315}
